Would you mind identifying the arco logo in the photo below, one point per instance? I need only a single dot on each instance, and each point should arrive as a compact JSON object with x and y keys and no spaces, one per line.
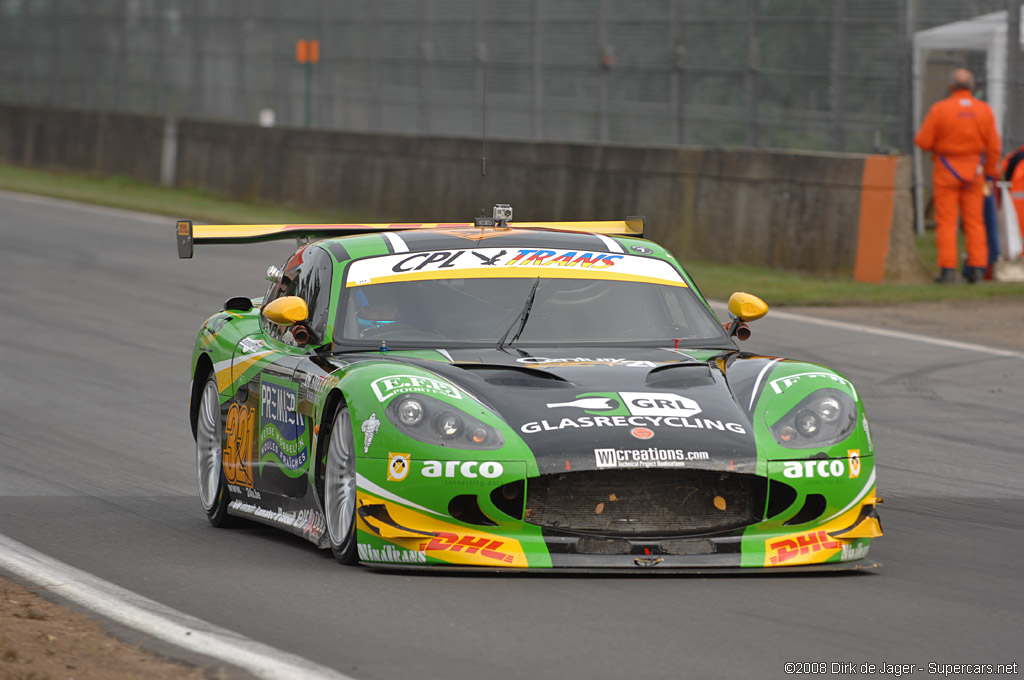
{"x":808,"y":469}
{"x":469,"y":469}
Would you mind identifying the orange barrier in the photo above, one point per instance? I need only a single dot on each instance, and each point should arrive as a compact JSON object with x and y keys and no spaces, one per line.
{"x":876,"y":213}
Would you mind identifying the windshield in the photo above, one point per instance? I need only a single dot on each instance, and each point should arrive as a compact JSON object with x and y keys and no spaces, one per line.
{"x":481,"y":311}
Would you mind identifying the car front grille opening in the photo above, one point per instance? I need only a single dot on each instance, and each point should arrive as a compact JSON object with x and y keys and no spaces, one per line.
{"x":466,"y":508}
{"x":780,"y":497}
{"x":509,"y":498}
{"x":645,"y":503}
{"x":814,"y":507}
{"x":688,"y":546}
{"x":591,"y":545}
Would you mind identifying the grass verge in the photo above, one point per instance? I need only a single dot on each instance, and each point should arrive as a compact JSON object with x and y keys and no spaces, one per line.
{"x":132,"y":194}
{"x":716,"y":280}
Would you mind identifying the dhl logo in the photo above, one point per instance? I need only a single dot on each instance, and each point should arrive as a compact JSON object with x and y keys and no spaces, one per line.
{"x":469,"y":545}
{"x":800,"y":546}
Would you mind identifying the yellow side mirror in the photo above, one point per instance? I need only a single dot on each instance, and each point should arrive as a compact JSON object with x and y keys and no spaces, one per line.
{"x":286,"y":311}
{"x":747,"y":307}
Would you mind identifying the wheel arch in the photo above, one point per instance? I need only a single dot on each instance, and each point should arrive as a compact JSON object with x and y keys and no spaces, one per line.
{"x":203,"y":369}
{"x":334,"y":401}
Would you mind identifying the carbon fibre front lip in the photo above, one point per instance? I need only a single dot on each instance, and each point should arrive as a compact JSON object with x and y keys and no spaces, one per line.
{"x":668,"y":567}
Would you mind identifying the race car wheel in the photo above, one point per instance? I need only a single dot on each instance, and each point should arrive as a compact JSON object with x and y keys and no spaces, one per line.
{"x":340,"y":489}
{"x":213,"y":493}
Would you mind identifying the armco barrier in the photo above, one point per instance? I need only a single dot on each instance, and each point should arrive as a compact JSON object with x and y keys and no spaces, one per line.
{"x":841,"y":214}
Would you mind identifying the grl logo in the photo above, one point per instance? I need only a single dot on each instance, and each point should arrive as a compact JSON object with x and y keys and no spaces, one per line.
{"x":633,"y":403}
{"x":660,"y":404}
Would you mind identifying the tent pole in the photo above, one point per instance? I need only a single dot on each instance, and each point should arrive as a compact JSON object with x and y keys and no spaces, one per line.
{"x":916,"y":89}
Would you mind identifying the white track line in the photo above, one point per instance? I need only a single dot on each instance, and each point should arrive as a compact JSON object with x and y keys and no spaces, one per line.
{"x":157,"y":620}
{"x":721,"y":308}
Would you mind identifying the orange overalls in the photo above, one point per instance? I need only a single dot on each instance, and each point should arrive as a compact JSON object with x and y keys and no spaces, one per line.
{"x":958,"y":130}
{"x":1012,"y":169}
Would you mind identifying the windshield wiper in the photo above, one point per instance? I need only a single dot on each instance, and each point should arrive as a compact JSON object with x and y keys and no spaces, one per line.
{"x":523,"y":315}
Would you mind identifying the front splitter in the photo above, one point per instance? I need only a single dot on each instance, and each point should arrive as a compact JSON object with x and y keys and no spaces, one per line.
{"x":657,"y":569}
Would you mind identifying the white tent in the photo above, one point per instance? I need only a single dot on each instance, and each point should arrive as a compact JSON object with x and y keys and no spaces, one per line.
{"x":985,"y":33}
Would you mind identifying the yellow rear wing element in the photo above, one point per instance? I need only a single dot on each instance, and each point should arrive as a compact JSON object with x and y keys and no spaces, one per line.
{"x":189,"y":234}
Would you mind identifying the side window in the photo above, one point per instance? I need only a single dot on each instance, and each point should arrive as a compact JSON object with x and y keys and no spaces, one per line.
{"x":307,"y":274}
{"x":314,"y":286}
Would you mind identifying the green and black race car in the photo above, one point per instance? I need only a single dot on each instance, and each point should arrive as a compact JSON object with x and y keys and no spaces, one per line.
{"x":519,"y":396}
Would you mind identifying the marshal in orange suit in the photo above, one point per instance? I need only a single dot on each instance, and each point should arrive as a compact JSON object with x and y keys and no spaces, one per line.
{"x":960,"y":131}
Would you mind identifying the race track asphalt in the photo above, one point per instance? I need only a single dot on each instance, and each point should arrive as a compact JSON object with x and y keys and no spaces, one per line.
{"x":97,"y":470}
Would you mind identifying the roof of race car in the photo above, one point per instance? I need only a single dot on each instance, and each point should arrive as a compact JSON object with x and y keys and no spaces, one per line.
{"x":457,"y":238}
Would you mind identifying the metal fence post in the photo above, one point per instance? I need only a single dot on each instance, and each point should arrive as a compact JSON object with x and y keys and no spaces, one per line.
{"x":426,"y":68}
{"x":169,"y":153}
{"x":836,"y":93}
{"x":678,"y":52}
{"x":752,"y":73}
{"x":912,"y":115}
{"x":537,"y":127}
{"x":54,"y":93}
{"x":239,"y":98}
{"x":196,"y":70}
{"x":159,"y":39}
{"x":281,"y":63}
{"x":604,"y":124}
{"x":120,"y":28}
{"x":375,"y":105}
{"x":1012,"y":62}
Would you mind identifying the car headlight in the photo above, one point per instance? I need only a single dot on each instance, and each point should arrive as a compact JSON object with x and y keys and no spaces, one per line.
{"x":823,"y":417}
{"x":431,"y":420}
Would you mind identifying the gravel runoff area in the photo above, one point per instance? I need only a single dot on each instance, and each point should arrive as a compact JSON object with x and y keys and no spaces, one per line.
{"x":40,"y":640}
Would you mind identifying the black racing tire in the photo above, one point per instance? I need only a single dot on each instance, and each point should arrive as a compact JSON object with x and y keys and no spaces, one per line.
{"x":340,"y":489}
{"x":213,"y":491}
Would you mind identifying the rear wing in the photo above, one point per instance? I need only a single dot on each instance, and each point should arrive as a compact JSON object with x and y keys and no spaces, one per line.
{"x":189,"y":234}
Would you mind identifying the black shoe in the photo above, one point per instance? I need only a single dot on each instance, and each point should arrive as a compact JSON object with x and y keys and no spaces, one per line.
{"x":974,"y":274}
{"x":947,"y":275}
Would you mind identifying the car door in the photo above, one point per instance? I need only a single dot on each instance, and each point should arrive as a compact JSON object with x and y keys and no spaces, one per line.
{"x":282,"y":435}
